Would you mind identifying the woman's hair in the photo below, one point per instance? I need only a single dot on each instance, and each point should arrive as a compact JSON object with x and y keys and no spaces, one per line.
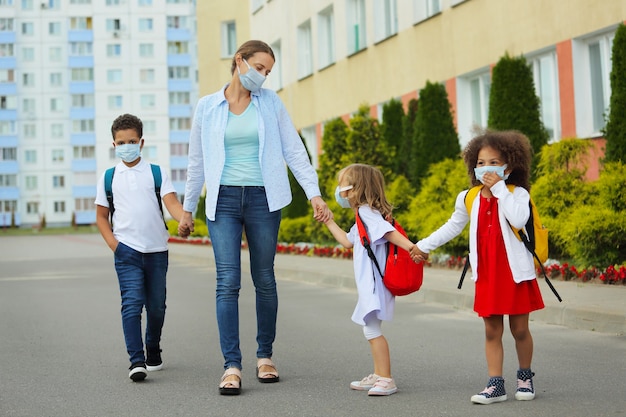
{"x":368,"y":187}
{"x":127,"y":121}
{"x":248,"y":49}
{"x":514,"y":148}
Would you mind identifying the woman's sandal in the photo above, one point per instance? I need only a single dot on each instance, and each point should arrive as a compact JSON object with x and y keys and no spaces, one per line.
{"x":231,"y":386}
{"x":266,"y":376}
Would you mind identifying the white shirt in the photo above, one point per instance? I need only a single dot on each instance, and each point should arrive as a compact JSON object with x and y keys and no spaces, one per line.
{"x":137,"y":220}
{"x":373,"y":295}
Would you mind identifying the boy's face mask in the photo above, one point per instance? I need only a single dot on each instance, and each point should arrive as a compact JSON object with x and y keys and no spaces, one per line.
{"x":480,"y":171}
{"x":128,"y":152}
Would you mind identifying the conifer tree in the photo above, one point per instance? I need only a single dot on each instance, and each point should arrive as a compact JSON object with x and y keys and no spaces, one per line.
{"x":513,"y":103}
{"x":334,"y":145}
{"x":408,"y":143}
{"x":435,"y":136}
{"x":615,"y":129}
{"x":299,"y":205}
{"x":391,"y":132}
{"x":363,"y":141}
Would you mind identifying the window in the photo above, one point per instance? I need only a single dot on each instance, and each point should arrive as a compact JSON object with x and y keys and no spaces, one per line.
{"x":115,"y":102}
{"x":423,"y":9}
{"x":28,"y":106}
{"x":28,"y":79}
{"x":31,"y":182}
{"x":114,"y":50}
{"x":176,"y":48}
{"x":53,"y":4}
{"x":8,"y":102}
{"x":8,"y":180}
{"x":82,"y":100}
{"x":7,"y":75}
{"x":473,"y":103}
{"x":180,"y":123}
{"x":385,"y":19}
{"x":229,"y":39}
{"x":80,"y":23}
{"x":56,"y":130}
{"x":144,"y":2}
{"x":58,"y":155}
{"x":179,"y":175}
{"x":545,"y":76}
{"x":30,"y":156}
{"x":7,"y":127}
{"x":146,"y":50}
{"x":80,"y":48}
{"x":177,"y":22}
{"x":275,"y":81}
{"x":6,"y":49}
{"x":83,"y":204}
{"x":8,"y":154}
{"x":56,"y":104}
{"x":356,"y":25}
{"x":28,"y":54}
{"x":178,"y":73}
{"x":55,"y":54}
{"x":30,"y":130}
{"x":84,"y":152}
{"x":8,"y":206}
{"x":6,"y":24}
{"x":599,"y":73}
{"x":82,"y":74}
{"x":180,"y":97}
{"x":145,"y":25}
{"x":326,"y":33}
{"x":83,"y":126}
{"x":305,"y":58}
{"x":114,"y":76}
{"x":112,"y":2}
{"x":149,"y":127}
{"x":26,"y":4}
{"x":85,"y":178}
{"x":146,"y":76}
{"x":32,"y":207}
{"x":54,"y":28}
{"x":58,"y":181}
{"x":56,"y":79}
{"x":59,"y":206}
{"x":179,"y":149}
{"x":148,"y":101}
{"x":28,"y":28}
{"x":149,"y":152}
{"x":113,"y":24}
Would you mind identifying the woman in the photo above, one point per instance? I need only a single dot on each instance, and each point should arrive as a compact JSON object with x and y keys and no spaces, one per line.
{"x":240,"y":140}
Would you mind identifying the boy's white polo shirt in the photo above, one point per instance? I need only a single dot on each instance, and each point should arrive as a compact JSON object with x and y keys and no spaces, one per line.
{"x":137,"y":220}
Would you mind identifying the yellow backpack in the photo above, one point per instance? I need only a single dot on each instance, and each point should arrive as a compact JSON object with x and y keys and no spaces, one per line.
{"x":537,"y":240}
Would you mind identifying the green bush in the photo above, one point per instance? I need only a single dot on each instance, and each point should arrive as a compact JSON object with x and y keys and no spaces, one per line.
{"x":612,"y":186}
{"x":293,"y":230}
{"x":400,"y":193}
{"x":200,"y":228}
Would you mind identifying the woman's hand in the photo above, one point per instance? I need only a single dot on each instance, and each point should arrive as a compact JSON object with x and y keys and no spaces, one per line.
{"x":321,"y":212}
{"x":417,"y":255}
{"x":185,"y":226}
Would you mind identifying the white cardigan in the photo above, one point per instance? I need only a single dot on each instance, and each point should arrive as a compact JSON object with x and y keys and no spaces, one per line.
{"x":513,"y":209}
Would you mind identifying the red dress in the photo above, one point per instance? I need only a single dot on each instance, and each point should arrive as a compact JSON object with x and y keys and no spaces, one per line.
{"x":496,"y":292}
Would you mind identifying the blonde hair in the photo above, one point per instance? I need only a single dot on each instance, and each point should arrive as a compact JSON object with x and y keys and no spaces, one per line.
{"x":368,"y":187}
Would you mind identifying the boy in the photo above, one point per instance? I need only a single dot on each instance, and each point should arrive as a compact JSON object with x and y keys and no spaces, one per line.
{"x":138,"y":239}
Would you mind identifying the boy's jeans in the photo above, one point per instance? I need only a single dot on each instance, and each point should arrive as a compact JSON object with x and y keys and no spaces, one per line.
{"x":240,"y":208}
{"x":142,"y":282}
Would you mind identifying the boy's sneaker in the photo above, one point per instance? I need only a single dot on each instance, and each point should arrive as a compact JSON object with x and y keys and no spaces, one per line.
{"x":153,"y":359}
{"x":493,"y":393}
{"x":364,"y":384}
{"x":138,"y":371}
{"x":525,"y":388}
{"x":383,"y":386}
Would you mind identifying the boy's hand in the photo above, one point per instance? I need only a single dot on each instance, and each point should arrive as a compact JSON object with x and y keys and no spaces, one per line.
{"x":185,"y":226}
{"x":321,"y":212}
{"x":417,"y":255}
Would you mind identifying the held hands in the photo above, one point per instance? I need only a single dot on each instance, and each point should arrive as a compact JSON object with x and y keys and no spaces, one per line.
{"x":417,"y":255}
{"x":321,"y":212}
{"x":185,"y":225}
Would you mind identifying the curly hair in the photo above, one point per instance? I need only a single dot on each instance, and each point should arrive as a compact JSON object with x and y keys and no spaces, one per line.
{"x":514,"y":148}
{"x":248,"y":49}
{"x":127,"y":121}
{"x":368,"y":187}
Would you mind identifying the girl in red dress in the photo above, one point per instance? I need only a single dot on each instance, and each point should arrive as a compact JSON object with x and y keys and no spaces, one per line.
{"x":504,"y":270}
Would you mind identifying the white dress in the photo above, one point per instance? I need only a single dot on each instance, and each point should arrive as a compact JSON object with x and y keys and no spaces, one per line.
{"x":373,"y":295}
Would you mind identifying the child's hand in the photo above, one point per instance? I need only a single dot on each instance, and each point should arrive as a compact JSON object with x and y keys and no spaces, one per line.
{"x":417,"y":255}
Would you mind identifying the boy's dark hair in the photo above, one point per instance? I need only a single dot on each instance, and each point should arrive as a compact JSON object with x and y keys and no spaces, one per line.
{"x":127,"y":121}
{"x":515,"y":149}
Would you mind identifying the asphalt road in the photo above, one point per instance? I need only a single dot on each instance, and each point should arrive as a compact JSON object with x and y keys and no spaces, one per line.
{"x":62,"y":351}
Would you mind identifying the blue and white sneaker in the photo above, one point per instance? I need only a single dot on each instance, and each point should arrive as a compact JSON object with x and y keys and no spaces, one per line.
{"x":525,"y":388}
{"x":493,"y":393}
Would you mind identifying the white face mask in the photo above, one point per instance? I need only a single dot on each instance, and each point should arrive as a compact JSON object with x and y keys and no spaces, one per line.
{"x":251,"y":80}
{"x":343,"y":202}
{"x":480,"y":171}
{"x":128,"y":152}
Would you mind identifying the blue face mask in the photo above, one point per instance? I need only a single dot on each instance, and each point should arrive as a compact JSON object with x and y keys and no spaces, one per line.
{"x":480,"y":171}
{"x":251,"y":80}
{"x":343,"y":202}
{"x":128,"y":152}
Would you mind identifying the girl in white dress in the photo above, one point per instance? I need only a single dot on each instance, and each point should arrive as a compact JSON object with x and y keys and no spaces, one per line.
{"x":362,"y":188}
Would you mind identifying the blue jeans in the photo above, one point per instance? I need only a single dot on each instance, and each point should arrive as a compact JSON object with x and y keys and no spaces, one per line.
{"x":142,"y":282}
{"x":239,"y":209}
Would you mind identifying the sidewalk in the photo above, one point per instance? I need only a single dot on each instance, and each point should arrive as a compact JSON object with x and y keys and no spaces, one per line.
{"x":595,"y":307}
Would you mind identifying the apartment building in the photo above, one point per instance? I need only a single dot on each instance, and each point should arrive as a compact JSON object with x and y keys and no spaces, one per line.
{"x":335,"y":55}
{"x":68,"y":68}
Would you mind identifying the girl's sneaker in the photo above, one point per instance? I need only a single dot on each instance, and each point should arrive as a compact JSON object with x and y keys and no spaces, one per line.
{"x":364,"y":384}
{"x":525,"y":388}
{"x":493,"y":393}
{"x":383,"y":386}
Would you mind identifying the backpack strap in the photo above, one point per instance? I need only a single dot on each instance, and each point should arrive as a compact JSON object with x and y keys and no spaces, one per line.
{"x":156,"y":174}
{"x":108,"y":190}
{"x":366,"y":242}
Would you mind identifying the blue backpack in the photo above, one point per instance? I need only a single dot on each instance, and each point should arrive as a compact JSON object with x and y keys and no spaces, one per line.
{"x":108,"y":188}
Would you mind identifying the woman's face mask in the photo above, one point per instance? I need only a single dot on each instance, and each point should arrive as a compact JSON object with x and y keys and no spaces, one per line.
{"x":480,"y":171}
{"x":252,"y":80}
{"x":343,"y":202}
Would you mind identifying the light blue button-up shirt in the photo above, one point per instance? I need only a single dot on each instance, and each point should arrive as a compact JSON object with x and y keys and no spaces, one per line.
{"x":279,"y":142}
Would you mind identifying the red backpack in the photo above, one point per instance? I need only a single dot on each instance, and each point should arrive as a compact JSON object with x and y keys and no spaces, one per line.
{"x":402,"y":276}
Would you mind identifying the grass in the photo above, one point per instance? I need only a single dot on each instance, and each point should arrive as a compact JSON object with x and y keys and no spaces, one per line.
{"x":19,"y":231}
